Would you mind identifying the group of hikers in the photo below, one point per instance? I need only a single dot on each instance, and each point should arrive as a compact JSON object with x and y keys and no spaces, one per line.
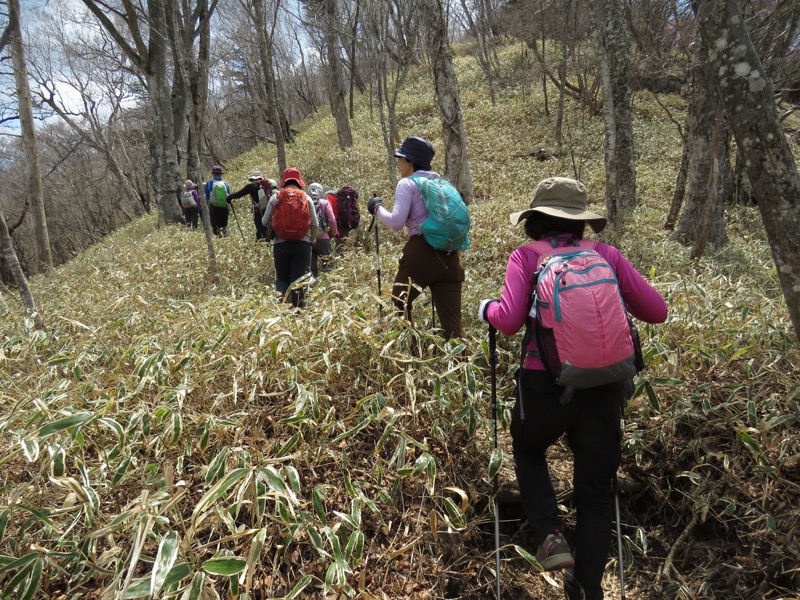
{"x":579,"y":353}
{"x":305,"y":230}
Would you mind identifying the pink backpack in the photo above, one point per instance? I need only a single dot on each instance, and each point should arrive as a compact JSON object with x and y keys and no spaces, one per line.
{"x":583,"y":332}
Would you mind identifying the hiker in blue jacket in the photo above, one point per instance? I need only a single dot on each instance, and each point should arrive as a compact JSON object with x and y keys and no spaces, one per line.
{"x":216,"y":192}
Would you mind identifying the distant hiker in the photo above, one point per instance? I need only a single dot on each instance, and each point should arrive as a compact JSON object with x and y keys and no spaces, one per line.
{"x":290,"y":212}
{"x":216,"y":192}
{"x":189,"y":200}
{"x":260,"y":190}
{"x":420,"y":264}
{"x":543,"y":412}
{"x":321,"y":250}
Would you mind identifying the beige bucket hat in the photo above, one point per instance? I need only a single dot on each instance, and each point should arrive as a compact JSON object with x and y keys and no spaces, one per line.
{"x":561,"y":197}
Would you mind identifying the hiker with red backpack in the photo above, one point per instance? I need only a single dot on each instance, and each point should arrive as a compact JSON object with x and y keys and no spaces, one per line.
{"x":321,"y":251}
{"x":579,"y":355}
{"x":216,"y":192}
{"x":260,"y":191}
{"x":421,"y":265}
{"x":291,"y":215}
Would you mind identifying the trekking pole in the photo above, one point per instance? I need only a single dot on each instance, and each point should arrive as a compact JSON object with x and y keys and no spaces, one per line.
{"x":377,"y":262}
{"x":493,"y":367}
{"x":616,"y":502}
{"x":236,"y":218}
{"x":619,"y":538}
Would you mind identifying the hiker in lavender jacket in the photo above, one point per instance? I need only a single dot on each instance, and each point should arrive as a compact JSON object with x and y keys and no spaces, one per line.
{"x":590,"y":420}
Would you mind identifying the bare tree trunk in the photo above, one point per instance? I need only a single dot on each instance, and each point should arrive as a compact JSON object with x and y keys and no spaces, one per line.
{"x":713,"y":195}
{"x":683,"y":174}
{"x":19,"y":276}
{"x":33,"y":178}
{"x":455,"y":143}
{"x":747,"y":94}
{"x":150,"y":58}
{"x":266,"y":54}
{"x":336,"y":91}
{"x":611,"y":32}
{"x":701,"y":120}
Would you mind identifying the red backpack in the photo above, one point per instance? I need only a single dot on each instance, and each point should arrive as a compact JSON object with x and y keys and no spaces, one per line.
{"x":291,"y":219}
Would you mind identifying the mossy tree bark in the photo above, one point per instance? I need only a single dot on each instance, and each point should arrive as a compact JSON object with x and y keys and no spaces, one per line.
{"x":747,"y":93}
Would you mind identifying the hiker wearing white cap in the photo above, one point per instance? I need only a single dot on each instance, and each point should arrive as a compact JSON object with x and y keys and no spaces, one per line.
{"x":189,"y":199}
{"x":260,"y":191}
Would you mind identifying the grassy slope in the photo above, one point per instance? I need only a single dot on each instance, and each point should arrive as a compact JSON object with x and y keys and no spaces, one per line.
{"x":353,"y":449}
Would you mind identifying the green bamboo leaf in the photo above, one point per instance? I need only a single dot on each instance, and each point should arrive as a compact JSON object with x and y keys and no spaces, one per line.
{"x":318,"y":500}
{"x":3,"y":524}
{"x":471,"y":384}
{"x":120,"y":471}
{"x":58,"y":465}
{"x":529,"y":557}
{"x":353,"y":431}
{"x":355,"y":547}
{"x":194,"y":590}
{"x":19,"y":562}
{"x":651,"y":394}
{"x":304,"y":582}
{"x":288,"y":446}
{"x":254,"y":555}
{"x":30,"y":586}
{"x":115,"y":427}
{"x":18,"y":581}
{"x":316,"y":541}
{"x":165,"y":558}
{"x":73,"y":420}
{"x":216,"y":492}
{"x":174,"y":429}
{"x":225,"y":565}
{"x":141,"y":587}
{"x":495,"y":462}
{"x":277,"y":484}
{"x":30,"y":448}
{"x":217,"y":466}
{"x":457,"y":516}
{"x":748,"y":439}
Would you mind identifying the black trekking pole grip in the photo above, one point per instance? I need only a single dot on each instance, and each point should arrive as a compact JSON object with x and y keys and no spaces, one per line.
{"x":493,"y":371}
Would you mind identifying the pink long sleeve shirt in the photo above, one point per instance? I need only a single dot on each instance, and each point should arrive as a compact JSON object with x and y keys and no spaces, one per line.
{"x":509,"y":314}
{"x":409,"y":207}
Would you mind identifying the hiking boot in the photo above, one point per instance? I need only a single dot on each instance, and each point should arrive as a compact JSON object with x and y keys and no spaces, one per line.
{"x":572,"y":589}
{"x":554,"y":553}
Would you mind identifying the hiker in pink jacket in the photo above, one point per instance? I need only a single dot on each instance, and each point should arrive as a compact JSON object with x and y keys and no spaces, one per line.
{"x":590,"y":419}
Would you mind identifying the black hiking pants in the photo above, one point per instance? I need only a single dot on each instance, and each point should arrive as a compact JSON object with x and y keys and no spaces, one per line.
{"x":292,"y":261}
{"x":219,"y":219}
{"x":591,"y":422}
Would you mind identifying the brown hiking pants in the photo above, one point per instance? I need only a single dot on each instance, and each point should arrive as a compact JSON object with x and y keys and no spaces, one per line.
{"x":441,"y":271}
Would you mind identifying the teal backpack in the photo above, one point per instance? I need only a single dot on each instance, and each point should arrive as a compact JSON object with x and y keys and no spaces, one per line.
{"x":448,"y":223}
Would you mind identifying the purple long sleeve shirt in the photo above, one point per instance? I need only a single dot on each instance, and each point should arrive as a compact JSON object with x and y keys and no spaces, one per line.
{"x":409,"y":208}
{"x":509,"y":314}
